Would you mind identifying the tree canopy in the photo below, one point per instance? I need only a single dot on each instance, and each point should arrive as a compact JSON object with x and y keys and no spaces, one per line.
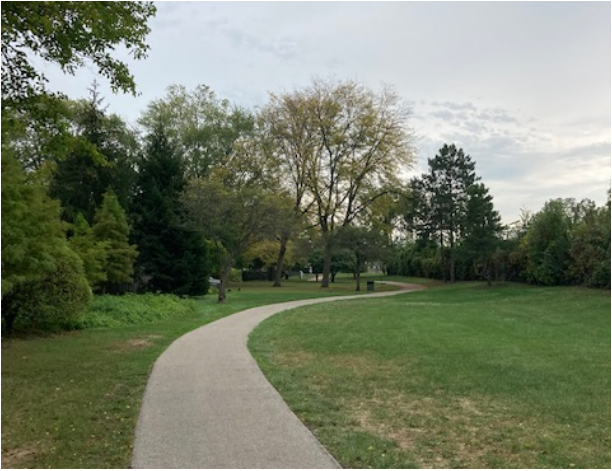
{"x":71,"y":35}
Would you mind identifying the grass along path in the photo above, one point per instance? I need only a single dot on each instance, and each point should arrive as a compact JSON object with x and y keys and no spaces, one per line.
{"x":460,"y":376}
{"x":72,"y":400}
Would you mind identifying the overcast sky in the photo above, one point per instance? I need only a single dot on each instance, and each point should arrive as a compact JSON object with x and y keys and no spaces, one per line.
{"x":524,"y":88}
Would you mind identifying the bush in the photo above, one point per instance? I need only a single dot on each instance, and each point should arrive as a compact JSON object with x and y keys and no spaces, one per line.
{"x":112,"y":311}
{"x":54,"y":302}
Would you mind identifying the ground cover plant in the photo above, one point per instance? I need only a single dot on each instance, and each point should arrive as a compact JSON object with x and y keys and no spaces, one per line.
{"x":72,"y":400}
{"x":457,"y":376}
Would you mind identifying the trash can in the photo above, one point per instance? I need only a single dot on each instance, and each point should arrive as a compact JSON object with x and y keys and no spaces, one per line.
{"x":370,"y":286}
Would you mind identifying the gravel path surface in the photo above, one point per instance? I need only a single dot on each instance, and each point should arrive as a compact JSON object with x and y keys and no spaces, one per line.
{"x":208,"y":405}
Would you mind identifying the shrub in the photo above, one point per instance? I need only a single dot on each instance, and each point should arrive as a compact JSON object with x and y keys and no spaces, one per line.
{"x":112,"y":311}
{"x":56,"y":301}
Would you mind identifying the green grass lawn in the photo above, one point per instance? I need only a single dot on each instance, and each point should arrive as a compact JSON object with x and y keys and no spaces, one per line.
{"x":72,"y":400}
{"x":456,"y":376}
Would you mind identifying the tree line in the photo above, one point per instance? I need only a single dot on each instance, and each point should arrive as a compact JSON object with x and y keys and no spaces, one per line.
{"x":314,"y":178}
{"x":453,"y":232}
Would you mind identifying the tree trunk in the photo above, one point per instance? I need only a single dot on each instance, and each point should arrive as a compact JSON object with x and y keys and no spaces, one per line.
{"x":225,"y":272}
{"x":8,"y":314}
{"x":326,"y":268}
{"x":358,"y":280}
{"x":452,"y":257}
{"x":280,"y":262}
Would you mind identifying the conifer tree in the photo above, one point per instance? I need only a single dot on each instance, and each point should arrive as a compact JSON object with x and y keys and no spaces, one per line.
{"x":173,"y":258}
{"x":111,"y":227}
{"x":93,"y":252}
{"x":451,"y":173}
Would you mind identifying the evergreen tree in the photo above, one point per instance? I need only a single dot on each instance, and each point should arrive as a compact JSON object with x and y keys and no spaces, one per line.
{"x":100,"y":157}
{"x":173,"y":258}
{"x":451,"y":174}
{"x":43,"y":284}
{"x":111,"y":227}
{"x":92,"y":251}
{"x":481,"y":227}
{"x":32,"y":231}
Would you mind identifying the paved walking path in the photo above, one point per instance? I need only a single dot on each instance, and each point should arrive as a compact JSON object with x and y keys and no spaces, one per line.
{"x":208,"y":405}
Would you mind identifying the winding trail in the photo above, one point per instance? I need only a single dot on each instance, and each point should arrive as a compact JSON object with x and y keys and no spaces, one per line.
{"x":208,"y":405}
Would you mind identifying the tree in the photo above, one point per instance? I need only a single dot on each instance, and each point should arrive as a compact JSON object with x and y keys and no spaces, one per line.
{"x":172,"y":258}
{"x":547,"y":244}
{"x":92,"y":252}
{"x":199,"y":125}
{"x":233,"y":219}
{"x":101,"y":156}
{"x":55,"y":300}
{"x":32,"y":232}
{"x":339,"y":147}
{"x":71,"y":35}
{"x":364,"y":245}
{"x":43,"y":284}
{"x":444,"y":196}
{"x":590,"y":244}
{"x":111,"y":226}
{"x":481,"y":229}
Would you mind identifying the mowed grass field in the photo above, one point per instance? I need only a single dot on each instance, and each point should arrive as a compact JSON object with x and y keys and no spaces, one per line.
{"x":72,"y":400}
{"x":454,"y":377}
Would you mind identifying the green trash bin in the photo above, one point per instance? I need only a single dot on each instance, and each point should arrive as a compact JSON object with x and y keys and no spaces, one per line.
{"x":370,"y":286}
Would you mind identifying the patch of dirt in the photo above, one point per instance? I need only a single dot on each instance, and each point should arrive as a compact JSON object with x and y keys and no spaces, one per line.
{"x":136,"y":343}
{"x":439,"y":433}
{"x":17,"y":457}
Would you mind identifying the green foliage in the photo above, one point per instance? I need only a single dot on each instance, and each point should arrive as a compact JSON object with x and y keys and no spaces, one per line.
{"x":172,"y":258}
{"x":235,"y":275}
{"x":232,"y":219}
{"x":55,"y":301}
{"x":568,"y":242}
{"x":547,"y":243}
{"x":130,"y":309}
{"x":100,"y":157}
{"x":69,"y":34}
{"x":202,"y":127}
{"x":111,"y":227}
{"x":32,"y":233}
{"x":93,"y":252}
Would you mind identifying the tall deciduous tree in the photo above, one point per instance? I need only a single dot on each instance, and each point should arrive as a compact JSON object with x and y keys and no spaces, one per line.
{"x":111,"y":227}
{"x":342,"y":146}
{"x":232,"y":219}
{"x":173,"y":258}
{"x":365,"y":245}
{"x":202,"y":127}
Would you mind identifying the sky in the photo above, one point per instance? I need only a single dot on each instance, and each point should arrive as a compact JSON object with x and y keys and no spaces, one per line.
{"x":522,"y":87}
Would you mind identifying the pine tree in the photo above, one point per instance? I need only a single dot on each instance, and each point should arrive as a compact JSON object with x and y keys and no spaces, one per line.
{"x":481,"y":228}
{"x":173,"y":258}
{"x":99,"y":158}
{"x":451,"y":174}
{"x":111,"y":227}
